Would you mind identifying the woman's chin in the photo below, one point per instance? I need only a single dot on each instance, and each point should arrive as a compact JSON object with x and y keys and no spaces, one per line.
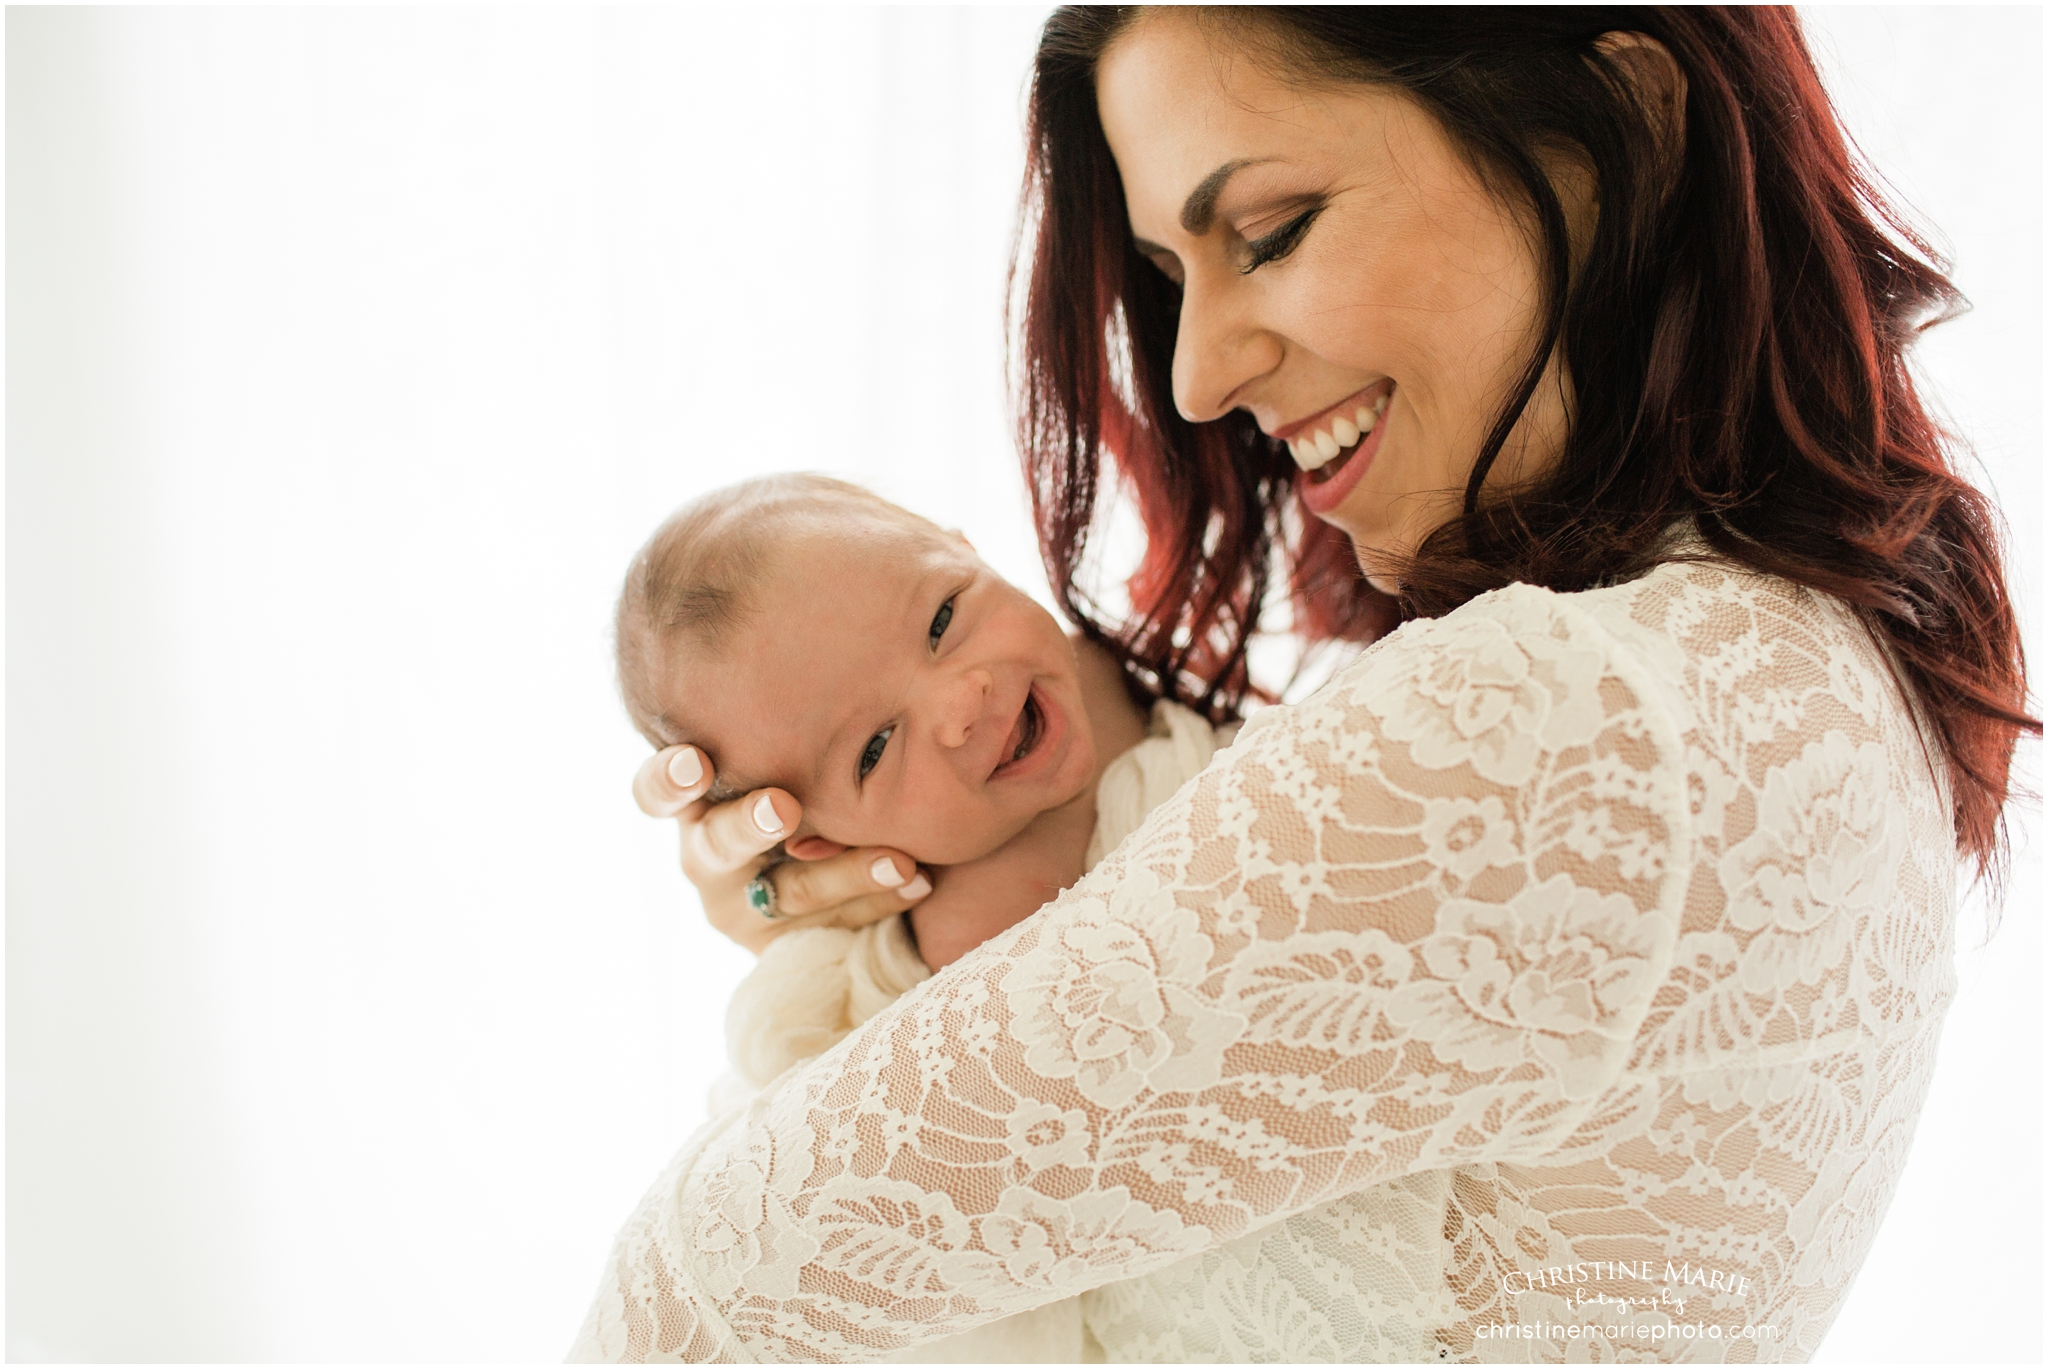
{"x":1385,"y":584}
{"x":1373,"y":561}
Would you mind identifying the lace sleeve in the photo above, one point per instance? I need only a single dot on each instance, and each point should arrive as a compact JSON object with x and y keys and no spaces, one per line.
{"x":1414,"y":922}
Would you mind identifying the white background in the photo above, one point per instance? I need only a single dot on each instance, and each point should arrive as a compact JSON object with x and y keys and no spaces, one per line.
{"x":350,"y":354}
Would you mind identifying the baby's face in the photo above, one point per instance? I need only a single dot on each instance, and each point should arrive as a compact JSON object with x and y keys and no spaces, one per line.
{"x":900,"y":689}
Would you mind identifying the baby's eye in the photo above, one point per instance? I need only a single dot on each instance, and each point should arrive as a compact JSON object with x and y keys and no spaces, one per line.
{"x":940,"y":622}
{"x":872,"y":755}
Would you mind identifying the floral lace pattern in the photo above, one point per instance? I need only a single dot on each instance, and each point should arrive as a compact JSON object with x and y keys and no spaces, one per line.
{"x":1568,"y":957}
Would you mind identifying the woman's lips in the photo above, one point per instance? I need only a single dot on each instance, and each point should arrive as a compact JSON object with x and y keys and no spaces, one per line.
{"x":1033,"y":737}
{"x":1324,"y":488}
{"x":1345,"y":405}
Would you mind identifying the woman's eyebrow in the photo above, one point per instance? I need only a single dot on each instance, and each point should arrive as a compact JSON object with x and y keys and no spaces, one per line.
{"x":1199,"y":211}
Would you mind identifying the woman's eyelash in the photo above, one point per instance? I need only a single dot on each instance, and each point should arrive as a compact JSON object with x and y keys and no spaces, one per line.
{"x":871,"y":755}
{"x":941,"y":620}
{"x":1279,"y":242}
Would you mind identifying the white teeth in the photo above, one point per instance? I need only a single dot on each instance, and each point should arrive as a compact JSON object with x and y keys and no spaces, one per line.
{"x":1318,"y":450}
{"x":1307,"y":456}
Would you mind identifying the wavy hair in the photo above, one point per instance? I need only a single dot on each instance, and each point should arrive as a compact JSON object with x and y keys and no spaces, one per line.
{"x":1735,"y":335}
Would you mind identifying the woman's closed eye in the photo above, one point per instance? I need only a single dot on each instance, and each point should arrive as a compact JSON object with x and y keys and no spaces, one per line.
{"x":871,"y":754}
{"x":1278,"y":243}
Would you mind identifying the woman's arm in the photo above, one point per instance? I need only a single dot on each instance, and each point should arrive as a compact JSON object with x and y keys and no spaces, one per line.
{"x":1414,"y":922}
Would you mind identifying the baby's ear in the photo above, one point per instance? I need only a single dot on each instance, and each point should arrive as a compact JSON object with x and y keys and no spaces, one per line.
{"x":812,"y":848}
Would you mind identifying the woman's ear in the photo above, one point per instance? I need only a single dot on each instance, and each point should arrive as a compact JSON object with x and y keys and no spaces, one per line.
{"x":1659,"y":85}
{"x":812,"y":848}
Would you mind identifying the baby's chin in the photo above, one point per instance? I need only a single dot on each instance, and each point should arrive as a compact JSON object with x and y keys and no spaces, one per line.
{"x":977,"y":827}
{"x":965,"y":836}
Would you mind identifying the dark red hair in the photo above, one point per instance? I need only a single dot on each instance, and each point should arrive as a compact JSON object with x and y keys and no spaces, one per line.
{"x":1735,"y":336}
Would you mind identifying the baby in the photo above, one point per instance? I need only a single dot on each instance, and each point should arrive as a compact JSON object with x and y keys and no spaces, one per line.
{"x":811,"y":636}
{"x":814,"y":637}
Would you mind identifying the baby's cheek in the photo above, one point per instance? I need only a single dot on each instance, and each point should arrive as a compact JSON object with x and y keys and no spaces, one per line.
{"x":948,"y":828}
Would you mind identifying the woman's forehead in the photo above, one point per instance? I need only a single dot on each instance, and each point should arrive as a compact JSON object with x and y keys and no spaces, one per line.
{"x":1176,"y":63}
{"x":1180,"y":107}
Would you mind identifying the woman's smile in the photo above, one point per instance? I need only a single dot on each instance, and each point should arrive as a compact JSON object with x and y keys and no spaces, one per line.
{"x":1334,"y":448}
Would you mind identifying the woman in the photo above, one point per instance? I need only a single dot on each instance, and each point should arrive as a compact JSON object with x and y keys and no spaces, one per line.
{"x":1571,"y":966}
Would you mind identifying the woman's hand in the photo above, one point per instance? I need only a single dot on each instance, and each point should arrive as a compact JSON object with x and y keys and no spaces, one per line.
{"x":725,"y":846}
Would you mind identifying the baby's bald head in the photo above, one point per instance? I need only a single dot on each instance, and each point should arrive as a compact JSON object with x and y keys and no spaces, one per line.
{"x":813,"y":638}
{"x":692,"y":589}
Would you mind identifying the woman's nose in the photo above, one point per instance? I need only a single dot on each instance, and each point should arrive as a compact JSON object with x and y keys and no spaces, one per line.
{"x":962,"y":701}
{"x":1220,"y":348}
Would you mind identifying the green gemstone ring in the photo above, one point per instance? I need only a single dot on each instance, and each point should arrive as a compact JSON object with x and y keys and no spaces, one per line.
{"x":761,"y":896}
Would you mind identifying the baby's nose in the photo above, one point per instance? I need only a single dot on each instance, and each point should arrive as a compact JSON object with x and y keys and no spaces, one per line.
{"x":962,"y":702}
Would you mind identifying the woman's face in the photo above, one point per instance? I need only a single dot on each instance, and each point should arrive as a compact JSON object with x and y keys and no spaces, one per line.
{"x":1346,"y":278}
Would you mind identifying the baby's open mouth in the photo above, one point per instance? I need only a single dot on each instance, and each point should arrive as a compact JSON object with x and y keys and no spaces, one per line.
{"x":1024,"y":733}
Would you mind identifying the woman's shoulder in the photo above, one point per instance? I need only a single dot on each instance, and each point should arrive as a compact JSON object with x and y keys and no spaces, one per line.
{"x":1711,"y":634}
{"x":1508,"y":631}
{"x":1505,"y":689}
{"x":1692,"y":618}
{"x":1696,"y":658}
{"x":1692,"y":594}
{"x":1523,"y":671}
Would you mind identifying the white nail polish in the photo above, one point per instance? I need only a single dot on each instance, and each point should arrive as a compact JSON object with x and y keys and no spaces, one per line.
{"x":685,"y":768}
{"x":765,"y":819}
{"x":885,"y":872}
{"x":917,"y":888}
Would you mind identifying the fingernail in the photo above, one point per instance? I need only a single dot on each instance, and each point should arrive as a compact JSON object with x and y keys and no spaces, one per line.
{"x":885,"y":872}
{"x":765,"y":818}
{"x":917,"y":888}
{"x":685,"y":768}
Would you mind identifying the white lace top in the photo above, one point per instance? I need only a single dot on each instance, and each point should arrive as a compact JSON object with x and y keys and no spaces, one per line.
{"x":1568,"y":969}
{"x":813,"y":986}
